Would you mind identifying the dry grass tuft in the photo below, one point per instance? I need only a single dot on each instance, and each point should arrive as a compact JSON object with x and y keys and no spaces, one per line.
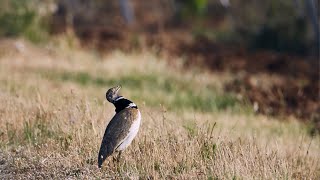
{"x":53,"y":115}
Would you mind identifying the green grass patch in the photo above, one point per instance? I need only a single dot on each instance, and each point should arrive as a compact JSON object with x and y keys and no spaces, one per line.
{"x":205,"y":101}
{"x":173,"y":93}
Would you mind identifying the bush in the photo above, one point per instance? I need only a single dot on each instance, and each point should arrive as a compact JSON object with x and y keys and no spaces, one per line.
{"x":20,"y":18}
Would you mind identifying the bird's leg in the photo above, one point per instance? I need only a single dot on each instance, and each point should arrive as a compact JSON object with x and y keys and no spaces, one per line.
{"x":119,"y":156}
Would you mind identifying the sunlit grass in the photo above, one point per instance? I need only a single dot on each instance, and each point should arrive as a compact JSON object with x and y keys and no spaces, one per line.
{"x":53,"y":114}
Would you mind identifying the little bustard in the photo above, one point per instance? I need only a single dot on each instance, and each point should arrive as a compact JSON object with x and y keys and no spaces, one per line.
{"x":122,"y":128}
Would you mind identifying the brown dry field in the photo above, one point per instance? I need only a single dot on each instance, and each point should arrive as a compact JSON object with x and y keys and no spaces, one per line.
{"x":53,"y":114}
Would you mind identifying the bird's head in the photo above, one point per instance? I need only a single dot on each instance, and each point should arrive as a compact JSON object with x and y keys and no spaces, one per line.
{"x":112,"y":94}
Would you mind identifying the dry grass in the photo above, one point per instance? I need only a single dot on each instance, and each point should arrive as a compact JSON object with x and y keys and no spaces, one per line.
{"x":53,"y":115}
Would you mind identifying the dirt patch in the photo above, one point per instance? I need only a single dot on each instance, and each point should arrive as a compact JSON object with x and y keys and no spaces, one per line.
{"x":290,"y":85}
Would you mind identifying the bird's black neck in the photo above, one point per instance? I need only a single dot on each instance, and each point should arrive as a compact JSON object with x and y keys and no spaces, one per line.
{"x":121,"y":103}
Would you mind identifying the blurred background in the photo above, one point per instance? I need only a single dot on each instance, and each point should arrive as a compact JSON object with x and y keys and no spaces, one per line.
{"x":244,"y":37}
{"x":288,"y":26}
{"x":228,"y":89}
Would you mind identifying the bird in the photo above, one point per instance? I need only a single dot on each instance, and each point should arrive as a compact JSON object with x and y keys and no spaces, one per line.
{"x":122,"y":128}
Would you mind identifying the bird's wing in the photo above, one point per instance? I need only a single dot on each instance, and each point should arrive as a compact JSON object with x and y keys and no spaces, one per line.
{"x":115,"y":133}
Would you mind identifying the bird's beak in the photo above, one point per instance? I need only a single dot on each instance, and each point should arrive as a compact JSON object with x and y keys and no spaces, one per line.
{"x":117,"y":88}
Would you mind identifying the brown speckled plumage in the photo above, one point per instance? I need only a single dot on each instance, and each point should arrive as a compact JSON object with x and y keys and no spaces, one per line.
{"x":118,"y":131}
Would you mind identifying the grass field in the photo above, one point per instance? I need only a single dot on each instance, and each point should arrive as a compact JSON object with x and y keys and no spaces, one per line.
{"x":53,"y":114}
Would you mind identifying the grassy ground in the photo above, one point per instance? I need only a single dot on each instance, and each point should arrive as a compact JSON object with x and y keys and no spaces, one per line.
{"x":53,"y":114}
